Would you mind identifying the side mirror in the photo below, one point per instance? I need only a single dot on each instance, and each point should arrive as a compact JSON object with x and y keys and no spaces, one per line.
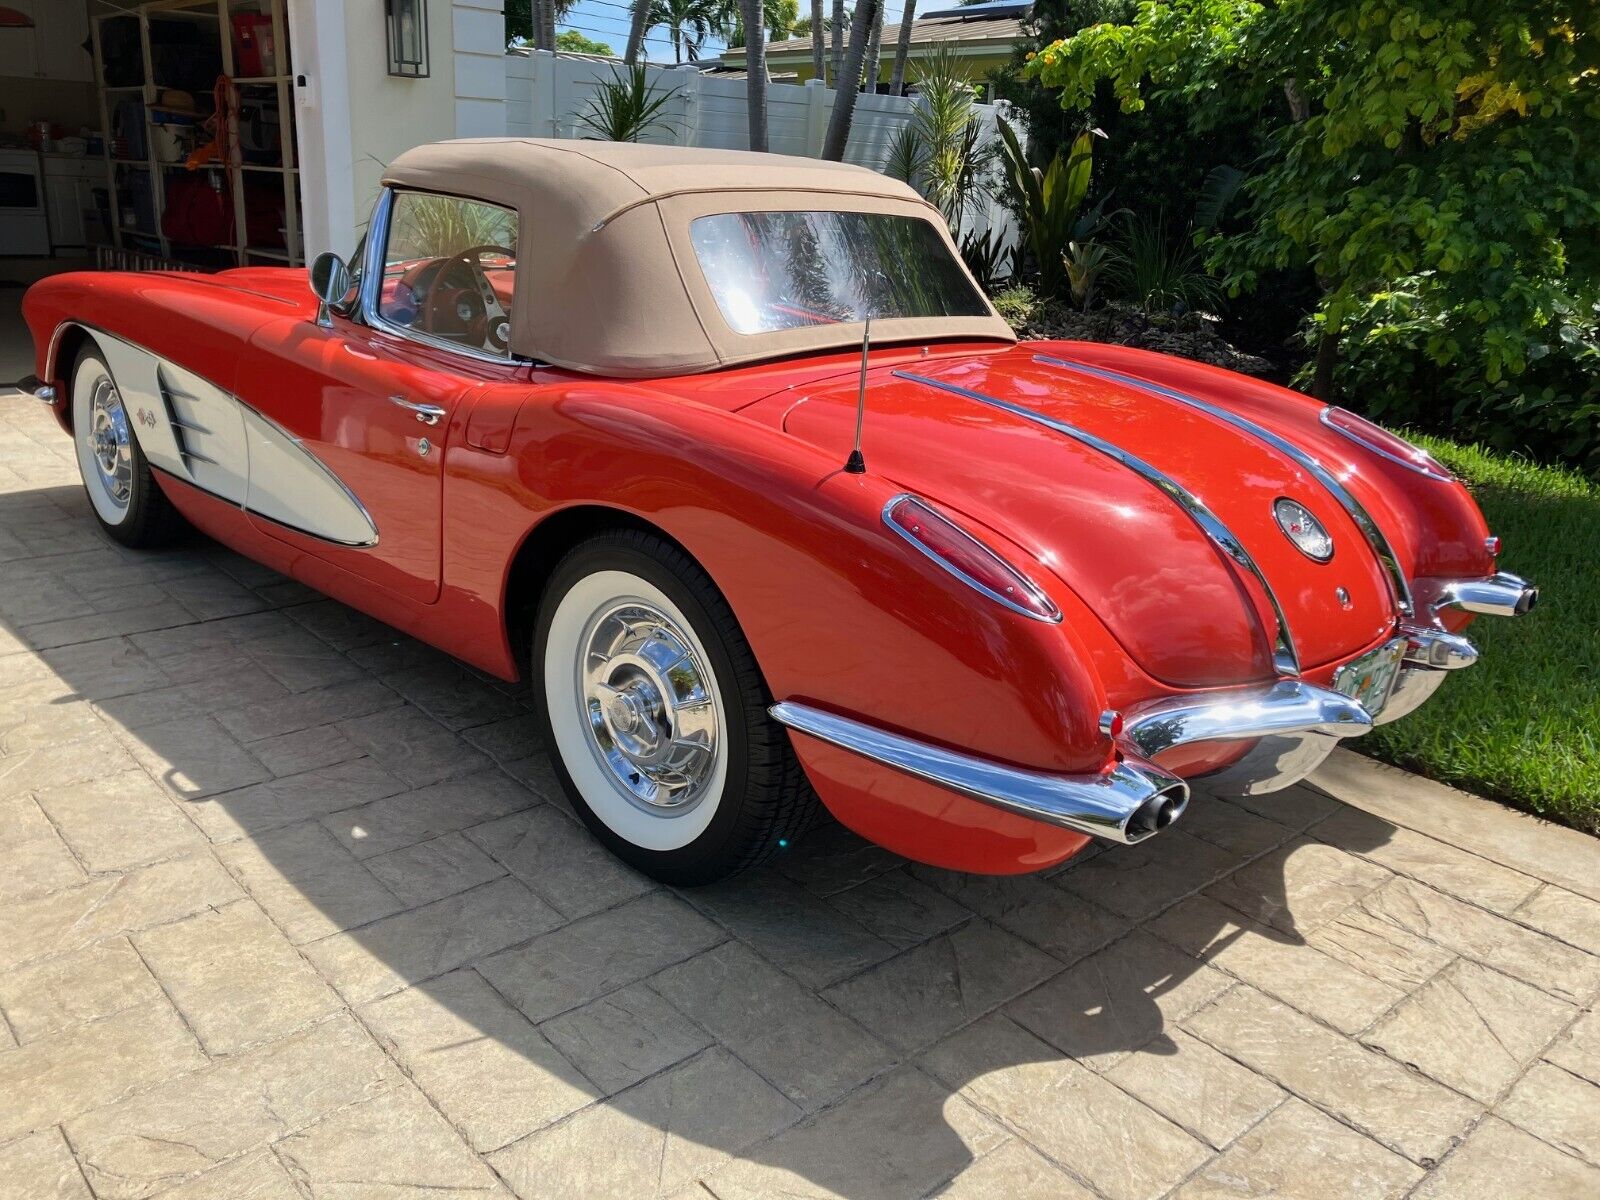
{"x":330,"y":280}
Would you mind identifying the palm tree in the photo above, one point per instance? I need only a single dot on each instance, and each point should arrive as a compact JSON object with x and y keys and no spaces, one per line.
{"x":874,"y":51}
{"x":689,"y":23}
{"x":639,"y":22}
{"x":755,"y":70}
{"x":844,"y":98}
{"x":902,"y":47}
{"x":838,"y":34}
{"x":817,"y":67}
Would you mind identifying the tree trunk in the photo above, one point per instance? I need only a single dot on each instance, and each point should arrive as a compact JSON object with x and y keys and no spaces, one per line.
{"x":819,"y":66}
{"x":844,"y":96}
{"x":874,"y":53}
{"x":838,"y":39}
{"x":549,"y":10}
{"x":755,"y":70}
{"x":1327,"y":360}
{"x":636,"y":30}
{"x":897,"y":82}
{"x":539,"y":42}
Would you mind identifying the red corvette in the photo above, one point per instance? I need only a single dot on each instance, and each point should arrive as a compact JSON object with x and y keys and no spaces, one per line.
{"x":606,"y":417}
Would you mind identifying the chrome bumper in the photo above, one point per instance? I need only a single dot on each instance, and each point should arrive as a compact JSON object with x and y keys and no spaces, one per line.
{"x":1294,"y":724}
{"x":1127,"y":803}
{"x":35,"y":387}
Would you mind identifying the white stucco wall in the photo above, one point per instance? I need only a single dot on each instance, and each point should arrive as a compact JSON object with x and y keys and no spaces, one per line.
{"x":354,"y":117}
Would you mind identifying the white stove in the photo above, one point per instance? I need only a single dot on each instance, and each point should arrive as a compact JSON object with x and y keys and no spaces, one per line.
{"x":24,"y":228}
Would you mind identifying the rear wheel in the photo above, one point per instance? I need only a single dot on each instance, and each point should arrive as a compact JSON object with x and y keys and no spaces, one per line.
{"x":126,"y":500}
{"x":656,"y":717}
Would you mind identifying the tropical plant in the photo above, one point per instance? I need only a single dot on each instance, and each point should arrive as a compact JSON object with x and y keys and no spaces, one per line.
{"x":625,"y":107}
{"x":903,"y":159}
{"x":985,"y":255}
{"x":571,"y":41}
{"x":869,"y":76}
{"x":844,"y":97}
{"x":755,"y":70}
{"x":779,"y":18}
{"x":955,"y":163}
{"x":1085,"y":262}
{"x":689,"y":23}
{"x":1441,"y":151}
{"x":1048,"y":203}
{"x":534,"y":20}
{"x":1160,"y":270}
{"x":436,"y":226}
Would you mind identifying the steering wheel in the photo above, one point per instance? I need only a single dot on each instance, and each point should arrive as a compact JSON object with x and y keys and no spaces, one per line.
{"x":461,"y":302}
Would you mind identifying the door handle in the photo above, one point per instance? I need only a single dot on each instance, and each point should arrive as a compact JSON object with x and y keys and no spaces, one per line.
{"x":428,"y":414}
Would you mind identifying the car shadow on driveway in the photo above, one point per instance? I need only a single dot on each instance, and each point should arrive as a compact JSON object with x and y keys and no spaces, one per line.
{"x":331,"y":870}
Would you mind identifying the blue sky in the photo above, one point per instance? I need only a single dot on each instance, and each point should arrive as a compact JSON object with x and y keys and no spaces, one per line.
{"x":607,"y":21}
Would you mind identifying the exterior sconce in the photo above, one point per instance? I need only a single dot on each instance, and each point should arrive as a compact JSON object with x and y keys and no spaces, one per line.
{"x":407,"y":29}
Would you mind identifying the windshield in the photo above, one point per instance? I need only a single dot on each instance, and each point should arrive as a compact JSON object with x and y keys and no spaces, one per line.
{"x":782,"y":270}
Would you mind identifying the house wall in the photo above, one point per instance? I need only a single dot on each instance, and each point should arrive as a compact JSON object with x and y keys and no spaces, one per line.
{"x":354,"y":117}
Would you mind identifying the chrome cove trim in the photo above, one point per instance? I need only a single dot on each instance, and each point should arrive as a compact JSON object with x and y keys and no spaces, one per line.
{"x":1286,"y":659}
{"x":1500,"y":595}
{"x":1128,"y":803}
{"x":957,"y":571}
{"x":1294,"y":724}
{"x":1387,"y":558}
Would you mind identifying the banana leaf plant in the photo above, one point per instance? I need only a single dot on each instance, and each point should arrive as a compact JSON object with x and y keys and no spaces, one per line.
{"x":1048,"y":202}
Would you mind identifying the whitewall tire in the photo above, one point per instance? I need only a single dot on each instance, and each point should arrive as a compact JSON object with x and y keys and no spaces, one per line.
{"x":126,"y":501}
{"x":655,"y":714}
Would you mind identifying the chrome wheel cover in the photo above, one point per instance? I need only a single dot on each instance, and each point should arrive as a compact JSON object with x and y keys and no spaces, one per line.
{"x":106,"y":434}
{"x":649,"y":711}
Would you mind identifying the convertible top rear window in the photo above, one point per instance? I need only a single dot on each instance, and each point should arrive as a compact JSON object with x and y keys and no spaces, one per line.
{"x":784,"y":270}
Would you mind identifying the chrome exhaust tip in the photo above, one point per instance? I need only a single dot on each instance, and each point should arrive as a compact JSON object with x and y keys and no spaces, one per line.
{"x":1155,"y":814}
{"x":1501,"y":595}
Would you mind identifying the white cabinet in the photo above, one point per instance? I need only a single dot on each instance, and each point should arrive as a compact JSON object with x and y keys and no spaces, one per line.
{"x":68,"y":191}
{"x":53,"y":48}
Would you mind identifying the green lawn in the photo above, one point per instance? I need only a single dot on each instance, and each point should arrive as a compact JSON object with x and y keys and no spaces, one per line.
{"x":1523,"y":725}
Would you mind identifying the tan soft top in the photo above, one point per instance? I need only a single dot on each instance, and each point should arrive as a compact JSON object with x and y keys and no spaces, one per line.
{"x":607,"y":281}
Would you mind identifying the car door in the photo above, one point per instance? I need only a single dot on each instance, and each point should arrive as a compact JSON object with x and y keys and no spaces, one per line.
{"x":360,"y":411}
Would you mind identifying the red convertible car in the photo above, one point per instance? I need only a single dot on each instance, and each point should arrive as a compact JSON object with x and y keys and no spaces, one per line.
{"x":607,"y":418}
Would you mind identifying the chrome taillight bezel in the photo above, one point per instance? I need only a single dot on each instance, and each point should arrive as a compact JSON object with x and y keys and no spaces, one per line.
{"x":1423,"y":464}
{"x":1030,"y":600}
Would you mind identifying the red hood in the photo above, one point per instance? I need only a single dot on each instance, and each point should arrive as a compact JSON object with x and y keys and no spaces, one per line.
{"x":1132,"y":553}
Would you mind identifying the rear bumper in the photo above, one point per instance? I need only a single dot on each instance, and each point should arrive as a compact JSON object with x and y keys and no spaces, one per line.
{"x":1291,"y":725}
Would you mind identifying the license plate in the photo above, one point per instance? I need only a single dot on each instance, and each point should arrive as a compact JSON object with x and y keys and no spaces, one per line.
{"x":1369,"y":679}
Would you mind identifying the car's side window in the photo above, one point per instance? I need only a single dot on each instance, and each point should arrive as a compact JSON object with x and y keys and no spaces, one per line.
{"x":449,"y":271}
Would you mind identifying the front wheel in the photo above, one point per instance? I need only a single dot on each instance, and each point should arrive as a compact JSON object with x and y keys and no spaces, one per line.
{"x":656,"y":717}
{"x":127,"y":502}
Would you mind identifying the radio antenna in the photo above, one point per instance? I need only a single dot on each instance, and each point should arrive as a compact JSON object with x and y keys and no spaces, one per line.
{"x":856,"y":464}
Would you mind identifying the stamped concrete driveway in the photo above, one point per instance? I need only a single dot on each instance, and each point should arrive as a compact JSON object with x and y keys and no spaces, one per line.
{"x":289,"y":906}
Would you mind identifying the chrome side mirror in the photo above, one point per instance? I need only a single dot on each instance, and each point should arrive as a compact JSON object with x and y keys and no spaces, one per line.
{"x":330,"y":281}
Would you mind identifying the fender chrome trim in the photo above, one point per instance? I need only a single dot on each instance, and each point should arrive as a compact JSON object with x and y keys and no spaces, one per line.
{"x":1295,"y":725}
{"x":1127,"y":803}
{"x":1353,"y":508}
{"x":1285,"y":657}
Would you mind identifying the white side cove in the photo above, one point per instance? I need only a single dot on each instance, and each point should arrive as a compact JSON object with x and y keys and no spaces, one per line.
{"x":201,"y":434}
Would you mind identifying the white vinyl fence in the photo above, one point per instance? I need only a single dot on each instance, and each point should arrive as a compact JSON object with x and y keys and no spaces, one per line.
{"x":546,"y":94}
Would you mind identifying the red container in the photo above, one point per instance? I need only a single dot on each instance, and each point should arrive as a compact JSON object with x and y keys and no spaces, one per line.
{"x":252,"y":45}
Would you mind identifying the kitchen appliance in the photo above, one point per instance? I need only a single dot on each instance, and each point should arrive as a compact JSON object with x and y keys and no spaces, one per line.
{"x":24,"y":227}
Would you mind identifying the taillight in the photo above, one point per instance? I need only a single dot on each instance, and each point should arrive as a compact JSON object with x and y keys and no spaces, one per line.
{"x":968,"y":559}
{"x":1384,"y":444}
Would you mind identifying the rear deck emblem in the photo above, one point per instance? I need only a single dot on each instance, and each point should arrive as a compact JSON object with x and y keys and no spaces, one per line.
{"x":1303,"y":529}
